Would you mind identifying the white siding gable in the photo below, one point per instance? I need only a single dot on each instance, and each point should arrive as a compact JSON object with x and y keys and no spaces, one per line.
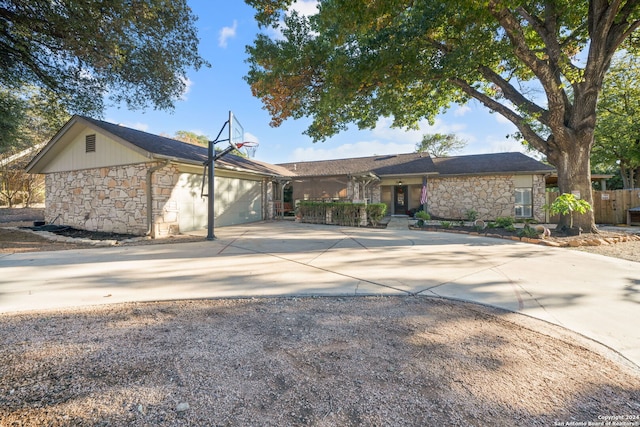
{"x":108,"y":153}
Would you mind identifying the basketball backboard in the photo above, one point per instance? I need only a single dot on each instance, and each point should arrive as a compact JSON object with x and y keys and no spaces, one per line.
{"x":236,"y":131}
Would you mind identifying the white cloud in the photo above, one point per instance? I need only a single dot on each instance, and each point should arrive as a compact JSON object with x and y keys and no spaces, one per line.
{"x":227,"y":33}
{"x":248,"y":136}
{"x":383,"y":130}
{"x":187,"y":88}
{"x":358,"y":149}
{"x":461,"y":110}
{"x":137,"y":125}
{"x":385,"y":140}
{"x":305,"y":7}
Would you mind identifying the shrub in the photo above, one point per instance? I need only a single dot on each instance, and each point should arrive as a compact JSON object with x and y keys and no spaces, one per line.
{"x":445,"y":224}
{"x":510,"y":228}
{"x":504,"y":222}
{"x":375,"y":212}
{"x":471,"y":215}
{"x":423,"y":215}
{"x":528,"y":232}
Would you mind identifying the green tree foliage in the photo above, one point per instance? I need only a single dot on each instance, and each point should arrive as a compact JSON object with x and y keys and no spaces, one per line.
{"x":355,"y":61}
{"x":617,"y":142}
{"x":30,"y":116}
{"x":566,"y":204}
{"x":133,"y":51}
{"x":11,"y":108}
{"x":440,"y":145}
{"x":203,"y":140}
{"x":192,"y":138}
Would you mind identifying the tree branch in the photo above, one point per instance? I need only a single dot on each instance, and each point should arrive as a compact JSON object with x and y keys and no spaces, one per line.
{"x":529,"y":134}
{"x":513,"y":95}
{"x":548,"y":76}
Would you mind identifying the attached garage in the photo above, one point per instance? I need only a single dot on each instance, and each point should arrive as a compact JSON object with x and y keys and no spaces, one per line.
{"x":105,"y":177}
{"x":238,"y":200}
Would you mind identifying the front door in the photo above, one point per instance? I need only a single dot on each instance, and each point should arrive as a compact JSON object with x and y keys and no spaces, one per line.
{"x":400,"y":199}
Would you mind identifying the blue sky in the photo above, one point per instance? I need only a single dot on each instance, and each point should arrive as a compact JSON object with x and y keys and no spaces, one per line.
{"x":225,"y":29}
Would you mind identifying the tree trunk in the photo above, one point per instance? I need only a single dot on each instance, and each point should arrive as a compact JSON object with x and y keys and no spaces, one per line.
{"x":574,"y":176}
{"x":625,"y":177}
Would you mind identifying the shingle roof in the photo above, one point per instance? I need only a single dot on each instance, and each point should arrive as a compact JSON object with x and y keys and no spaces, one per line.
{"x":167,"y":147}
{"x":395,"y":164}
{"x":387,"y":165}
{"x":415,"y":163}
{"x":480,"y":164}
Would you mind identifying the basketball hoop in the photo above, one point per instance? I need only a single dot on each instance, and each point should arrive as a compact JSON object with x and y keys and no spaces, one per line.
{"x":248,"y":147}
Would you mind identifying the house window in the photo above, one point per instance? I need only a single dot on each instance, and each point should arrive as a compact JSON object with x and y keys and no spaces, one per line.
{"x":90,"y":143}
{"x":524,"y":203}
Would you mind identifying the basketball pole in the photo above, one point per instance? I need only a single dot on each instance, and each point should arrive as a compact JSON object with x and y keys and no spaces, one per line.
{"x":210,"y":189}
{"x":211,"y":174}
{"x":211,"y":164}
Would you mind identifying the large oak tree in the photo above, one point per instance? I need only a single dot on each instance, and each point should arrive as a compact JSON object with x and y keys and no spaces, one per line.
{"x":540,"y":64}
{"x":132,"y":51}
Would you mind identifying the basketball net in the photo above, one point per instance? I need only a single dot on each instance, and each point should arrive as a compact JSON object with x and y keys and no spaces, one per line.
{"x":248,"y":147}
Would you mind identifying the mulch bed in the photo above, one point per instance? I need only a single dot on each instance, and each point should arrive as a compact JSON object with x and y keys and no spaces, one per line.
{"x":81,"y":234}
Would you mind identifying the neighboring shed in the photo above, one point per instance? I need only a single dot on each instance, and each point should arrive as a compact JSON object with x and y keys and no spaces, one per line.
{"x":103,"y":177}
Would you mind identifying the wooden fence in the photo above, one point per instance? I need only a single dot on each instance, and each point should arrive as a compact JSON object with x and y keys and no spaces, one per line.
{"x":609,"y":207}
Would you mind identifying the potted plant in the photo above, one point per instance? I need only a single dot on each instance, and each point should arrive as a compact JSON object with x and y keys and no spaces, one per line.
{"x":566,"y":204}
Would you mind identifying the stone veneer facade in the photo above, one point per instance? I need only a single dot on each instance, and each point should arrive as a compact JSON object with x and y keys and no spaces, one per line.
{"x":491,"y":196}
{"x":112,"y":199}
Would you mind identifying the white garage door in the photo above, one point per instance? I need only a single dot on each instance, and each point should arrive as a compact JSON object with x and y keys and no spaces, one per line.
{"x":237,"y":201}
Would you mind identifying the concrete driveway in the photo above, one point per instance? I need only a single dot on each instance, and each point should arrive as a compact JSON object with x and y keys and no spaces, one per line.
{"x":596,"y":296}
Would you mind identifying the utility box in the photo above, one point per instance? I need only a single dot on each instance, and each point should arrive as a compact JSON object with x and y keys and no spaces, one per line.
{"x":633,"y":216}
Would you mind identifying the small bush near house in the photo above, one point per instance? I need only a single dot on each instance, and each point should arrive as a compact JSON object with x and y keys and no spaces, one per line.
{"x":339,"y":213}
{"x":423,"y":215}
{"x":446,"y":224}
{"x":504,"y":222}
{"x":375,"y":212}
{"x":528,"y":232}
{"x":471,"y":215}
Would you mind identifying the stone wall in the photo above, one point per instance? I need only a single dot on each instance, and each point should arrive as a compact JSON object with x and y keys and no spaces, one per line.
{"x":539,"y":197}
{"x":111,"y":199}
{"x":490,"y":196}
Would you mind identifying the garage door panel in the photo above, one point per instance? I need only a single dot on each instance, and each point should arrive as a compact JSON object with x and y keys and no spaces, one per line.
{"x":237,"y":201}
{"x":241,"y":202}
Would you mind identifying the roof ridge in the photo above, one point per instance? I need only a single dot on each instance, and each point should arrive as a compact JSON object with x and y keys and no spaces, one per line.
{"x":350,"y":158}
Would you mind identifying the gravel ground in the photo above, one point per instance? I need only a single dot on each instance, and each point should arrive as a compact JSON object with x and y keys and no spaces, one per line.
{"x":392,"y":361}
{"x":626,"y":250}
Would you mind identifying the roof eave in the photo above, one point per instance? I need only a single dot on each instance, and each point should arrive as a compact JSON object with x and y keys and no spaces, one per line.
{"x":535,"y":172}
{"x":387,"y":175}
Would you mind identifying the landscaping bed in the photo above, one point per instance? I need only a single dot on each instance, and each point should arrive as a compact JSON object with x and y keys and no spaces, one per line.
{"x":554,"y":237}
